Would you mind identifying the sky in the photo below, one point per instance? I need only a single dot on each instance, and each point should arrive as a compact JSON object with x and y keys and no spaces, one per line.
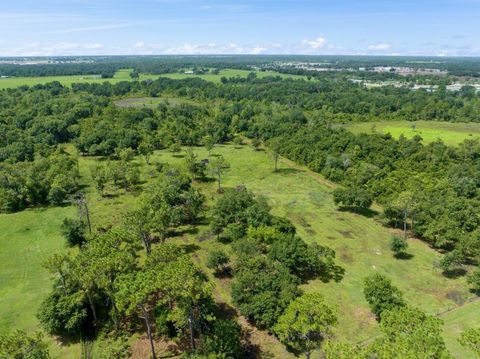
{"x":315,"y":27}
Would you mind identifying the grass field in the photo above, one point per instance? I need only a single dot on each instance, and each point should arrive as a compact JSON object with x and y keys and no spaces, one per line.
{"x":361,"y":244}
{"x":121,"y":75}
{"x":232,"y":73}
{"x":449,"y":132}
{"x":124,"y":75}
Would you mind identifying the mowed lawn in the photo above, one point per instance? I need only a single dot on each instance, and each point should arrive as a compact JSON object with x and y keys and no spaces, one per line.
{"x":451,"y":133}
{"x":361,"y":243}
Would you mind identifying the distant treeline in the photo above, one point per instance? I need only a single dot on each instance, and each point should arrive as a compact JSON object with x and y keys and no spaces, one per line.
{"x":107,"y":66}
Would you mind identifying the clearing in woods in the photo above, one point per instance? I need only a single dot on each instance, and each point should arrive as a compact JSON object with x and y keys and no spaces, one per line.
{"x":451,"y":133}
{"x":361,"y":244}
{"x":124,"y":75}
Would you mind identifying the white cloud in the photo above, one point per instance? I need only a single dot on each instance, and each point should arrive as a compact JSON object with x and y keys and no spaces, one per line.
{"x":213,"y":49}
{"x":318,"y":43}
{"x":379,"y":47}
{"x":315,"y":46}
{"x":258,"y":50}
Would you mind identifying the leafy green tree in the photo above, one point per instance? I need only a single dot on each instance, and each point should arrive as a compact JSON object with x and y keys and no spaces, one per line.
{"x":194,"y":167}
{"x":218,"y":167}
{"x":116,"y":349}
{"x":217,"y":260}
{"x":101,"y":261}
{"x":63,"y":314}
{"x":223,"y":340}
{"x":381,"y":295}
{"x":352,"y":197}
{"x":407,"y":333}
{"x":306,"y":322}
{"x":101,"y":176}
{"x":182,"y":283}
{"x":410,"y":333}
{"x":451,"y":260}
{"x":301,"y":259}
{"x":234,"y":231}
{"x":474,"y":280}
{"x":236,"y":210}
{"x":145,"y":148}
{"x":274,"y":145}
{"x":406,"y":204}
{"x":136,"y":294}
{"x":61,"y":186}
{"x":170,"y":201}
{"x":262,"y":290}
{"x":60,"y":265}
{"x":209,"y":143}
{"x":74,"y":231}
{"x":398,"y":245}
{"x":470,"y":339}
{"x":19,"y":345}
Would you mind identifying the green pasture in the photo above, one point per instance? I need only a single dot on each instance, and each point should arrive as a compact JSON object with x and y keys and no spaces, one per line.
{"x":124,"y":75}
{"x":231,"y":73}
{"x":361,"y":244}
{"x":452,"y":133}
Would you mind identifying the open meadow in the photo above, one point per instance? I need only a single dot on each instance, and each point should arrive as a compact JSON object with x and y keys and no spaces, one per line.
{"x":362,"y":247}
{"x":231,"y":73}
{"x":124,"y":75}
{"x":451,"y":133}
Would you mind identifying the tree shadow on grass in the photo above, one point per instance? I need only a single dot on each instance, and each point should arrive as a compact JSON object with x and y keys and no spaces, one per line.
{"x":189,"y":248}
{"x":332,"y":272}
{"x":454,"y":273}
{"x":226,"y":273}
{"x":366,"y":212}
{"x":287,"y":171}
{"x":206,"y":179}
{"x":110,"y":195}
{"x":403,"y":256}
{"x":191,"y":230}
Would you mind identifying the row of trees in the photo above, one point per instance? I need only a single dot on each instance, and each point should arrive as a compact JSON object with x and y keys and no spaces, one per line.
{"x":270,"y":263}
{"x":109,"y":287}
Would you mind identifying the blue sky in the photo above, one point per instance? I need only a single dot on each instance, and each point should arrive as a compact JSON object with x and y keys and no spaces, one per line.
{"x":98,"y":27}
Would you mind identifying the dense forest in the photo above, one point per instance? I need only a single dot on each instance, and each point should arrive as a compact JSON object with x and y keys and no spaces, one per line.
{"x":128,"y":276}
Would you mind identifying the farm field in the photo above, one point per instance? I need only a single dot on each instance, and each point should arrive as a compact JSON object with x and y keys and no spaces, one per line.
{"x":361,"y":244}
{"x":452,"y":133}
{"x":124,"y":75}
